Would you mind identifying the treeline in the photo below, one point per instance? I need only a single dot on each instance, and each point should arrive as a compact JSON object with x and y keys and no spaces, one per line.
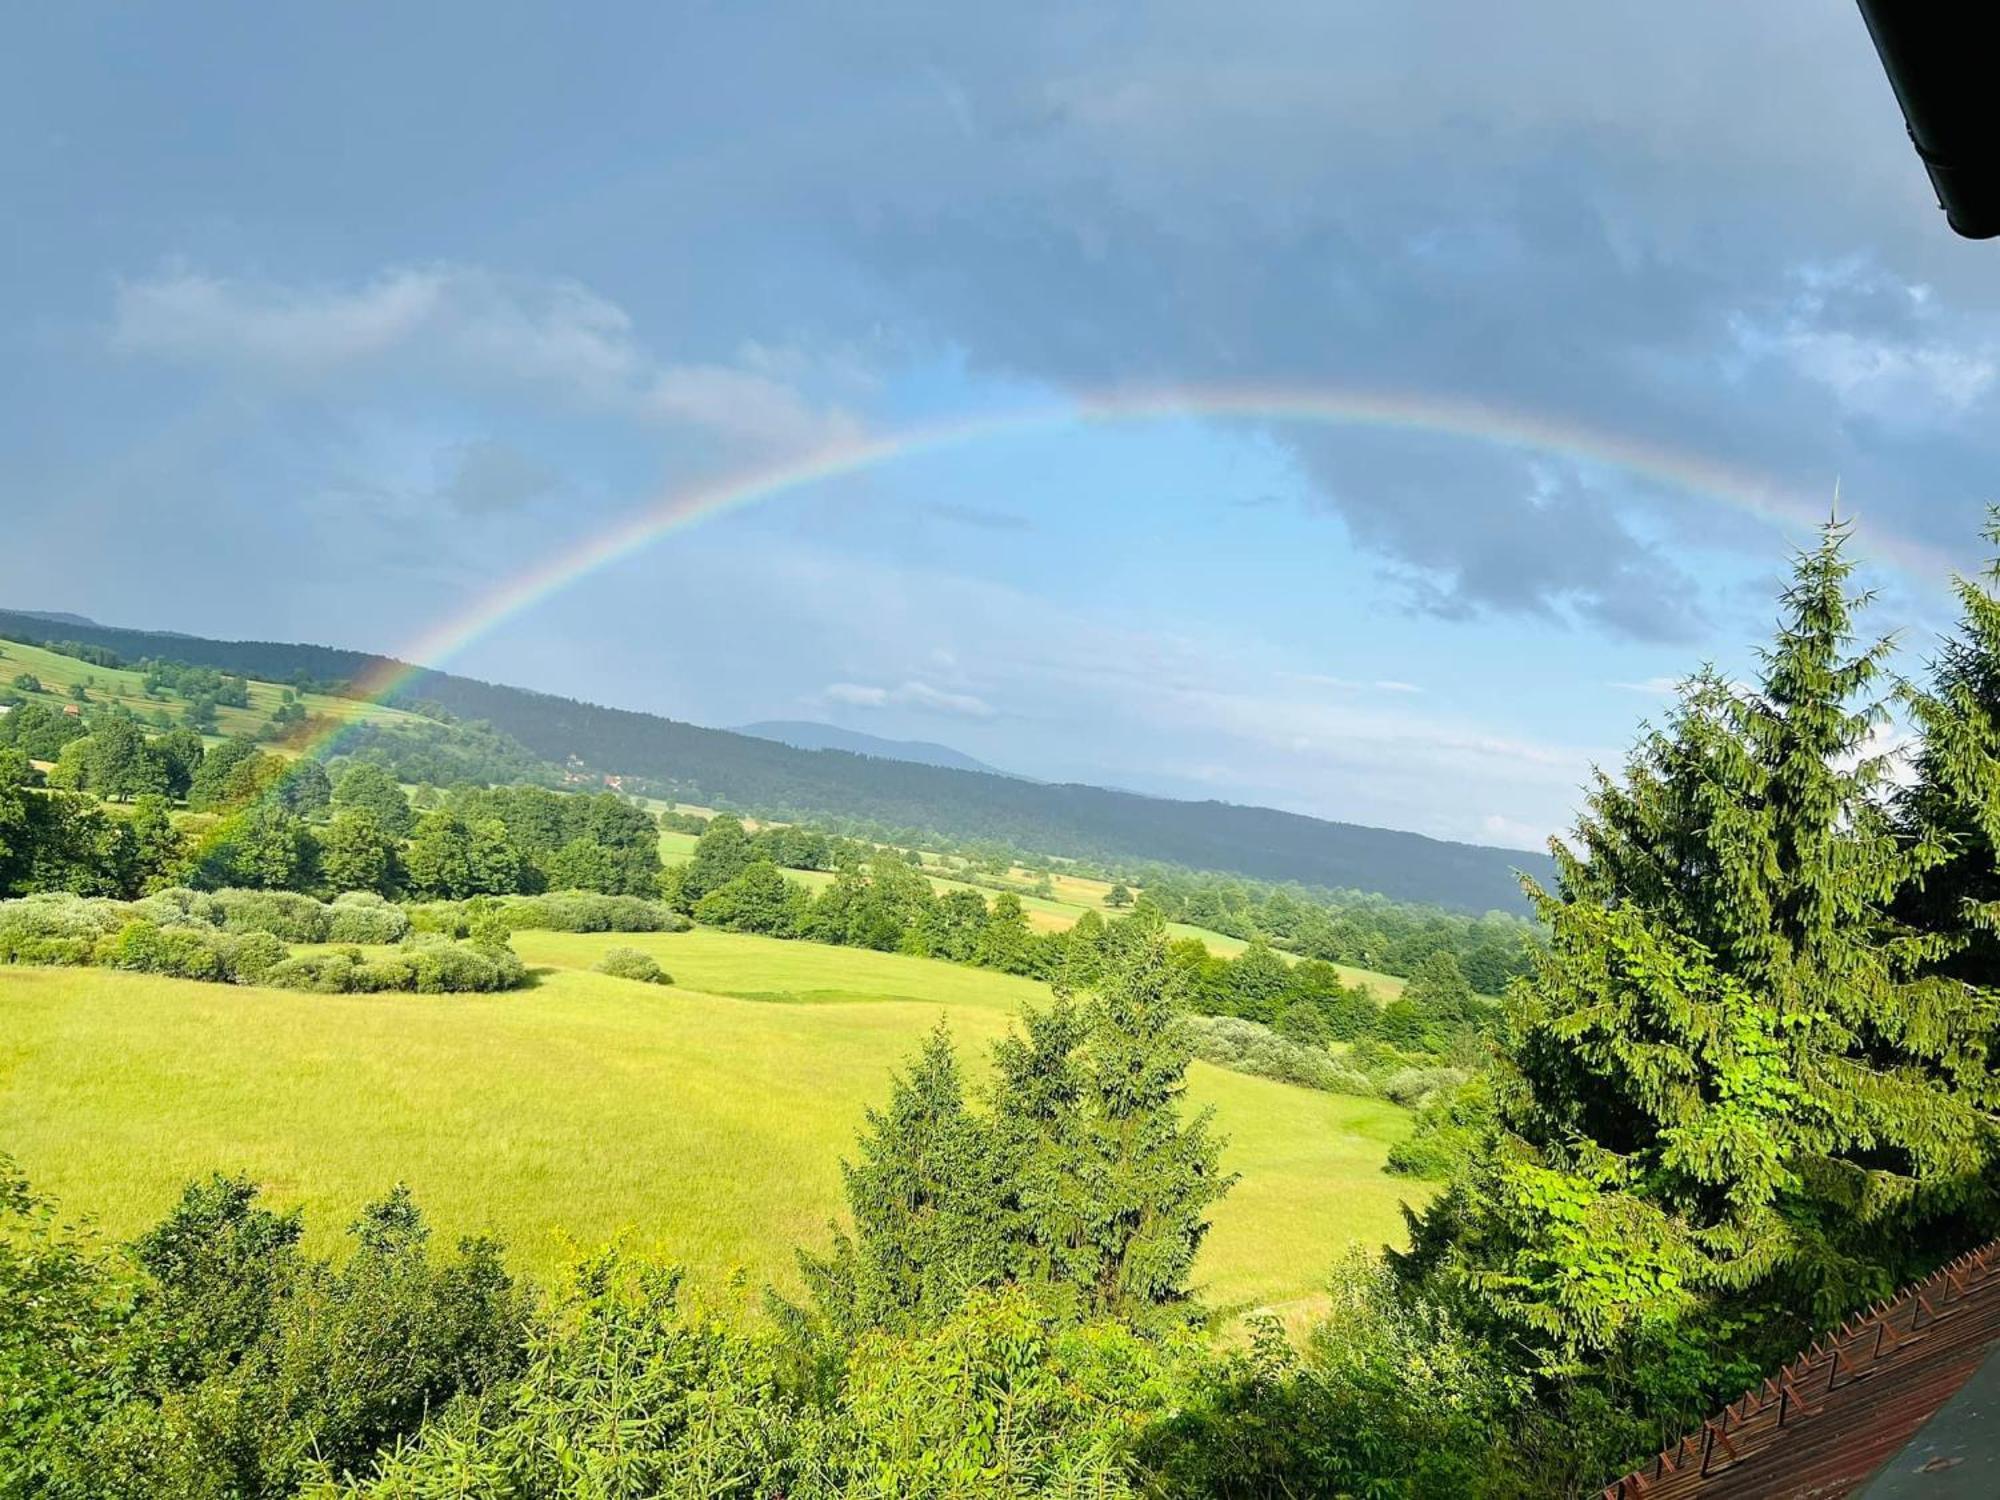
{"x":879,"y":899}
{"x":1350,"y":927}
{"x":273,"y":823}
{"x":1347,"y":927}
{"x":719,"y":768}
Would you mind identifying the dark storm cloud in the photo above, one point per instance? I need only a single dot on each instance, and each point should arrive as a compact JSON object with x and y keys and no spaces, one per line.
{"x":1699,"y":229}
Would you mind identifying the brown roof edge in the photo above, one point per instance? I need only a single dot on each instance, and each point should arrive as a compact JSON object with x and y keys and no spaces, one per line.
{"x":1828,"y":1420}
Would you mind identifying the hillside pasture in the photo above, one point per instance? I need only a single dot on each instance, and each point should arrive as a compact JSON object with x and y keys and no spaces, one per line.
{"x":126,"y":687}
{"x":703,"y":1121}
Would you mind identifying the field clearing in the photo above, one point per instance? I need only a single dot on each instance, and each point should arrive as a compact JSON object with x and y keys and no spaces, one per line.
{"x":704,"y":1121}
{"x":1056,"y":915}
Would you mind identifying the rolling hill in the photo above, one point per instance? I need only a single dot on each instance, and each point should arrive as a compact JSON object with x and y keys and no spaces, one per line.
{"x":763,"y":775}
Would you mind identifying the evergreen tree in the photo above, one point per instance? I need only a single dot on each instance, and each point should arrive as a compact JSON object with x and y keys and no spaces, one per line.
{"x":922,"y":1196}
{"x":1954,"y":796}
{"x":1084,"y":952}
{"x":1004,"y":940}
{"x":1441,"y":991}
{"x":1733,"y":1105}
{"x":1147,"y":1176}
{"x":1039,"y":1143}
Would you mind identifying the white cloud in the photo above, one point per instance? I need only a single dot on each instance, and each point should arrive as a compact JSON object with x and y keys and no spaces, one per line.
{"x":856,"y":695}
{"x":911,"y":694}
{"x":470,"y":324}
{"x":1883,"y":347}
{"x":1513,"y":833}
{"x":187,"y":316}
{"x":1657,"y":687}
{"x":1162,"y":711}
{"x":1355,"y":685}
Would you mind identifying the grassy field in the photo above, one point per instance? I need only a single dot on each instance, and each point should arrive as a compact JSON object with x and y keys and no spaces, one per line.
{"x":704,"y":1122}
{"x":121,"y":685}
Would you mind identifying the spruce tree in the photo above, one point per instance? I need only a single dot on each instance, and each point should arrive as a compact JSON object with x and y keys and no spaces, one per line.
{"x":1038,"y":1142}
{"x":1146,"y":1176}
{"x":923,"y":1196}
{"x":1733,"y":1102}
{"x":1954,"y":795}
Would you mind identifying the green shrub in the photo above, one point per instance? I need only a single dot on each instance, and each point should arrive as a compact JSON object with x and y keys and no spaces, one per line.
{"x":1250,"y":1047}
{"x":177,"y":906}
{"x":630,"y":963}
{"x":330,"y":973}
{"x":1451,"y":1126}
{"x":283,"y":914}
{"x":591,"y":911}
{"x":442,"y":967}
{"x":364,"y":917}
{"x":377,"y":976}
{"x":56,"y":927}
{"x":254,"y":955}
{"x":426,"y":965}
{"x":1414,"y":1087}
{"x":179,"y":952}
{"x":444,"y":918}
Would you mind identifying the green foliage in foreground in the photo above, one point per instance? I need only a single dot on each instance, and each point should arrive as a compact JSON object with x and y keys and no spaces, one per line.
{"x":1749,"y":1086}
{"x":1046,"y":1349}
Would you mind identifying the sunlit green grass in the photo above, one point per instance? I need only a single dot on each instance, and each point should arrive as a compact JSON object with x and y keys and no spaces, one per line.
{"x":125,"y":687}
{"x":704,"y":1126}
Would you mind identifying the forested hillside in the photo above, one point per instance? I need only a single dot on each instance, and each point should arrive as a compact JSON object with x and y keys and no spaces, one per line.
{"x":717,"y":766}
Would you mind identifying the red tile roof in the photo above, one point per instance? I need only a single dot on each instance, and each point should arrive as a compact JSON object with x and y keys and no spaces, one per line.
{"x":1827,"y":1421}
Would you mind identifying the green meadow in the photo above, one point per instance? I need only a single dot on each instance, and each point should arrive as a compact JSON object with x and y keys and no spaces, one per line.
{"x":703,"y":1121}
{"x":125,"y":687}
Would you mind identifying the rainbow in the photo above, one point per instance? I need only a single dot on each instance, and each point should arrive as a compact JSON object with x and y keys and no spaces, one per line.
{"x":1476,"y":420}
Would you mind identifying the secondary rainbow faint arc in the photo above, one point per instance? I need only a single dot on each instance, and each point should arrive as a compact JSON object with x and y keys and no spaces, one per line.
{"x":1448,"y":416}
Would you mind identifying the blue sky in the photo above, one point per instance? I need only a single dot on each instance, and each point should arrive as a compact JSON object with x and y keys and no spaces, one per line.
{"x":322,"y":323}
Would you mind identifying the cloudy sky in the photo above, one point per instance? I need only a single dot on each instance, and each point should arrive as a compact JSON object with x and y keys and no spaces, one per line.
{"x":1493,"y":357}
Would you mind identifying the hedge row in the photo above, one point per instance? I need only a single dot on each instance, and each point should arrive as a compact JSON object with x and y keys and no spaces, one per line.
{"x":555,"y":911}
{"x":178,"y":934}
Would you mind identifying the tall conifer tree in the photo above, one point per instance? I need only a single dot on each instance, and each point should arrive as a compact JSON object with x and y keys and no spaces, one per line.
{"x":1735,"y":1098}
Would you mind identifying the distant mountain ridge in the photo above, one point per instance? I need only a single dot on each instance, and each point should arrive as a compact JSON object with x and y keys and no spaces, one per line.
{"x":810,"y":734}
{"x":57,"y":617}
{"x":764,"y":775}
